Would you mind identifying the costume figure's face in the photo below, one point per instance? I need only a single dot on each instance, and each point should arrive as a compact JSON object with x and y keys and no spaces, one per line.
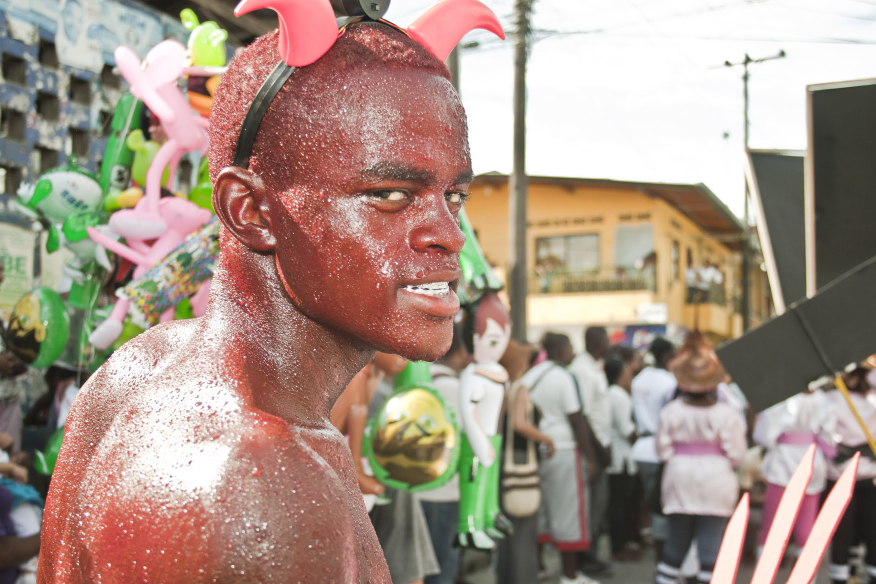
{"x":492,"y":330}
{"x":369,"y":239}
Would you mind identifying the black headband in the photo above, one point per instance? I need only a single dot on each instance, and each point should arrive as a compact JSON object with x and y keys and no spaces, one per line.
{"x":266,"y":94}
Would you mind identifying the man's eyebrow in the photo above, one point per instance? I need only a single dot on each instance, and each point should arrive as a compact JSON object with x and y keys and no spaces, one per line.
{"x":392,"y":171}
{"x":464,"y":177}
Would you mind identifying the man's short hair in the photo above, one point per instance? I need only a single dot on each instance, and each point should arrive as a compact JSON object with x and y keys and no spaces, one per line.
{"x":660,"y":347}
{"x":614,"y":367}
{"x":595,"y":334}
{"x":554,"y":343}
{"x":622,"y":352}
{"x":300,"y":104}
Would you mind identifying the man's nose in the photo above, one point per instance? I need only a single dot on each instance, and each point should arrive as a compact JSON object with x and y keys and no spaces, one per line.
{"x":438,"y":230}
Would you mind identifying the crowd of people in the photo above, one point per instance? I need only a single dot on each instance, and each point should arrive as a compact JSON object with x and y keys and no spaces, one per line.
{"x":639,"y":449}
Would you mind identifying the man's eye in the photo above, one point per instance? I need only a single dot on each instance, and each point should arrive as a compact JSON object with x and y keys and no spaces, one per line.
{"x":456,"y":197}
{"x":391,"y":196}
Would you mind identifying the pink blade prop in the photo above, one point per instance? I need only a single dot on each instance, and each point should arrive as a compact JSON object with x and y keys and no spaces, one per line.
{"x":441,"y":27}
{"x":783,"y":523}
{"x":825,"y":525}
{"x":308,"y":28}
{"x":731,"y":546}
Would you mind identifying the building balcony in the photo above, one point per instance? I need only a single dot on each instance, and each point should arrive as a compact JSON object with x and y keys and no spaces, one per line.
{"x":602,"y":280}
{"x":709,"y":311}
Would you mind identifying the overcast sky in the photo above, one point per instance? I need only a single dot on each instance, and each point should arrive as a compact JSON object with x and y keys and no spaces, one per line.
{"x":635,"y":90}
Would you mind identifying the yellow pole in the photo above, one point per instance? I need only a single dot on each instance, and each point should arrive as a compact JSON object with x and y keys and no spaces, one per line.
{"x":841,"y":385}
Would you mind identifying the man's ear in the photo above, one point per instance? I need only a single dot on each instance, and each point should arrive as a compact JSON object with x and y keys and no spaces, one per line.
{"x":242,"y":203}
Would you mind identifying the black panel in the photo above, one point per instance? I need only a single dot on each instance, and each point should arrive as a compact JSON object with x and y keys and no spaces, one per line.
{"x":844,"y":158}
{"x":776,"y":360}
{"x":779,"y":180}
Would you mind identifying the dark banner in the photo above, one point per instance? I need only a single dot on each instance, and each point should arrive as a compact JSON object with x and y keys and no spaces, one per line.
{"x":779,"y":358}
{"x":843,"y":147}
{"x":776,"y":184}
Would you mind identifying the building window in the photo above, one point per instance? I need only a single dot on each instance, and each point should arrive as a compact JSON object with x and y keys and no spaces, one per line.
{"x":675,"y":256}
{"x":14,"y":69}
{"x":634,"y":255}
{"x":568,"y":254}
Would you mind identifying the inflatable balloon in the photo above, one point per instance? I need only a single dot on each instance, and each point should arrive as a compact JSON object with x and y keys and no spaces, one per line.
{"x":202,"y":194}
{"x":38,"y":327}
{"x":179,"y":275}
{"x":126,"y":199}
{"x":207,"y":41}
{"x":115,"y":171}
{"x":207,"y":50}
{"x":45,"y":461}
{"x":144,"y":152}
{"x":413,"y":443}
{"x":60,"y":193}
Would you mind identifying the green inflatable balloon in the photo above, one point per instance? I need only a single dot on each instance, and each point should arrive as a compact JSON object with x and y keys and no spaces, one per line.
{"x":413,"y":443}
{"x":477,"y":275}
{"x":45,"y":461}
{"x":39,"y":327}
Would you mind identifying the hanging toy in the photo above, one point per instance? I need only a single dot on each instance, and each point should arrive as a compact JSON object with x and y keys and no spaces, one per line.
{"x":207,"y":49}
{"x":202,"y":193}
{"x":44,"y":462}
{"x":155,"y":82}
{"x":181,"y":217}
{"x":413,"y":442}
{"x":60,"y":193}
{"x":115,"y":171}
{"x":144,"y":152}
{"x":486,"y":332}
{"x":477,"y":275}
{"x":38,"y":327}
{"x":184,"y":273}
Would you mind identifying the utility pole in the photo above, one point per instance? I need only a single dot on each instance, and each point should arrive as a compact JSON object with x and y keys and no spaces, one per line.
{"x":746,"y":237}
{"x":517,"y":271}
{"x":453,"y":65}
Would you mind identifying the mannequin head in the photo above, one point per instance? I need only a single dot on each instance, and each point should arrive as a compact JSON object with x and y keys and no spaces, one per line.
{"x":490,"y":329}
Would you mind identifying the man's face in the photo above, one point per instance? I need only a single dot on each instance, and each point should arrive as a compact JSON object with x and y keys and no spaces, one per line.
{"x":370,"y":239}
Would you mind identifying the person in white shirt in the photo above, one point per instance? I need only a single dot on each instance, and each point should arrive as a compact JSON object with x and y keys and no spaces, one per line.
{"x":652,"y":389}
{"x":702,"y":441}
{"x":786,"y":430}
{"x":593,"y":388}
{"x":622,"y":470}
{"x":441,"y":505}
{"x":859,"y":521}
{"x":564,"y":506}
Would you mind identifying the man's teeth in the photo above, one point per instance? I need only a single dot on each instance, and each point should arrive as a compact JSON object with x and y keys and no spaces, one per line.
{"x":430,"y":289}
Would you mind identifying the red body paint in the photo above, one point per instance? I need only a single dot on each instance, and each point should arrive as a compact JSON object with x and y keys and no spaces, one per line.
{"x":202,"y":451}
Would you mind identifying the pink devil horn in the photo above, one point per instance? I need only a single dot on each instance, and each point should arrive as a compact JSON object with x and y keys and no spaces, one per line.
{"x":441,"y":27}
{"x":308,"y":28}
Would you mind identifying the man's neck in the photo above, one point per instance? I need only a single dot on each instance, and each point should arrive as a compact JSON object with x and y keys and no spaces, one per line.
{"x":285,"y":363}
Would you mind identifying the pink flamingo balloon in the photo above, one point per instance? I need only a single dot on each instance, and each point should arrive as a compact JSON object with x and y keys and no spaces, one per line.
{"x":155,"y":82}
{"x":181,"y":218}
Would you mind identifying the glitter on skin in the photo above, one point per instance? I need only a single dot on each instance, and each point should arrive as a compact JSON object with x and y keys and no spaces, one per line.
{"x":314,"y":259}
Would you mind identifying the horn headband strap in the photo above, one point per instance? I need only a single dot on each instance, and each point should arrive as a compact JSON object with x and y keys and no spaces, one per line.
{"x":266,"y":94}
{"x":253,"y":120}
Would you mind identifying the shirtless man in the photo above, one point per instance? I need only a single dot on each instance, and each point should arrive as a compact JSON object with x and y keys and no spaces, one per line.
{"x":203,"y":451}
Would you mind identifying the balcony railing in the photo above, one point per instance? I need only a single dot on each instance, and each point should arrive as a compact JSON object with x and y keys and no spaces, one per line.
{"x":714,"y":294}
{"x":603,"y":280}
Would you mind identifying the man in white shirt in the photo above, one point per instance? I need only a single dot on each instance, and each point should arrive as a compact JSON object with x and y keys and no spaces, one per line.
{"x":652,"y":388}
{"x":564,"y":506}
{"x":593,"y":386}
{"x":622,"y":474}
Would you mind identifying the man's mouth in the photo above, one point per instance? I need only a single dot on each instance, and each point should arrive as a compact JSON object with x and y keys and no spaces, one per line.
{"x":435,"y":289}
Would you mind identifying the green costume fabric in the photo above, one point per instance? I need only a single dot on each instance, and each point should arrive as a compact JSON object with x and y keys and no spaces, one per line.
{"x":478,"y":490}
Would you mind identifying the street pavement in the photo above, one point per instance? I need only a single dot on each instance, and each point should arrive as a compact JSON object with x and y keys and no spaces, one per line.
{"x":640,"y":572}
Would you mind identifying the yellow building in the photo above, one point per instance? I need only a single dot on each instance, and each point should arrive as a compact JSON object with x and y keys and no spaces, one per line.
{"x":630,"y":256}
